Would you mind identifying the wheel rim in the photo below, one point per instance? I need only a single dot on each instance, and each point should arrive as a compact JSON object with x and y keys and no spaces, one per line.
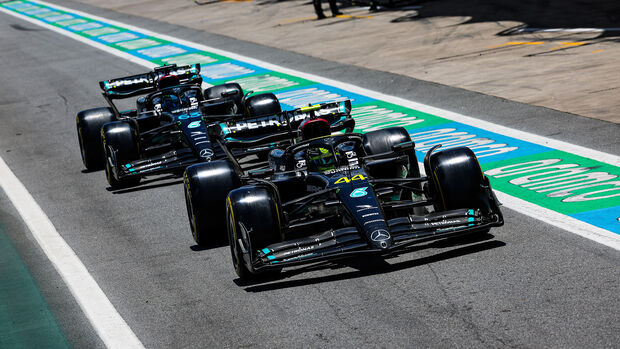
{"x":81,"y":141}
{"x":233,"y":241}
{"x":190,"y":214}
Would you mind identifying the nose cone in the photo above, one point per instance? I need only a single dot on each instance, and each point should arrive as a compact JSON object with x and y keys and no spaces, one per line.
{"x":381,"y":239}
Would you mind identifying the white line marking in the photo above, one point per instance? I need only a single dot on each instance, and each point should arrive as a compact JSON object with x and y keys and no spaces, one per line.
{"x":110,"y":327}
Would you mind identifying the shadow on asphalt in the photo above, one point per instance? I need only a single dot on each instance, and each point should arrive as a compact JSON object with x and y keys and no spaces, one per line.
{"x":144,"y":185}
{"x":531,"y":15}
{"x":373,"y":266}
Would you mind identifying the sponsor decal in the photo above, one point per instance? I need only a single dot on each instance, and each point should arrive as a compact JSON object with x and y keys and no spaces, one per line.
{"x":71,"y":22}
{"x":359,"y":192}
{"x":194,"y":124}
{"x":162,"y":51}
{"x":118,"y":37}
{"x":58,"y":18}
{"x":559,"y":181}
{"x":486,"y":145}
{"x":191,"y":58}
{"x":379,"y":235}
{"x":260,"y":122}
{"x":345,"y":179}
{"x":206,"y":154}
{"x":264,"y":83}
{"x":304,"y":97}
{"x":89,"y":25}
{"x":361,"y":208}
{"x":225,"y":71}
{"x":100,"y":31}
{"x":138,"y":44}
{"x":342,"y":169}
{"x":199,"y":137}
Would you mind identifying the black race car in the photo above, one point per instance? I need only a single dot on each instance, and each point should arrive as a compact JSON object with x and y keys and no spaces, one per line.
{"x":328,"y":197}
{"x":245,"y":144}
{"x":167,"y":130}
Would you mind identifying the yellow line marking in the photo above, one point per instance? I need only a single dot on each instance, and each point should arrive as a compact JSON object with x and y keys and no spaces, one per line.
{"x":512,"y":43}
{"x":351,"y":16}
{"x":567,"y":44}
{"x":597,"y":51}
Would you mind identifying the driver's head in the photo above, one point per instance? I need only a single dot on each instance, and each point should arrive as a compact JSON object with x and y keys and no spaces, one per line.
{"x":168,"y":81}
{"x":320,"y":159}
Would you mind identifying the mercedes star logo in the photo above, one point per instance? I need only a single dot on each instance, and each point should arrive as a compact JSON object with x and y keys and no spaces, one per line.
{"x":206,"y":153}
{"x":379,"y":235}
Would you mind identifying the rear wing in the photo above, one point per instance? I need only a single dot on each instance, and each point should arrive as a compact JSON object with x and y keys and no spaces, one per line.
{"x":248,"y":132}
{"x":135,"y":85}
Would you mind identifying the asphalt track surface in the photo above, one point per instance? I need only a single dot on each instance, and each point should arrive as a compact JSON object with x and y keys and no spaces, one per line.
{"x":528,"y":284}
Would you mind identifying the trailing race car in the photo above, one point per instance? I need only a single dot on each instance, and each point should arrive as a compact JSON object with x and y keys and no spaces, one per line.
{"x":330,"y":197}
{"x":168,"y":129}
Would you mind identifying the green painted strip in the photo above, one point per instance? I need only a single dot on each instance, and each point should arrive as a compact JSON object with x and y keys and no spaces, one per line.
{"x":270,"y":82}
{"x":557,"y":180}
{"x":25,"y":319}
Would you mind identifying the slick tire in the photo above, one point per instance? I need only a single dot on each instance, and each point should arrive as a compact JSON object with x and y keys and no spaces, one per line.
{"x":89,"y":123}
{"x":206,"y":187}
{"x":215,"y":92}
{"x":253,"y":214}
{"x":120,"y":143}
{"x":458,"y":180}
{"x":262,"y":104}
{"x":382,"y":141}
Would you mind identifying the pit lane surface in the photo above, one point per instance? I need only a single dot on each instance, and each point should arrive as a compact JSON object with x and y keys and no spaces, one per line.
{"x":529,"y":285}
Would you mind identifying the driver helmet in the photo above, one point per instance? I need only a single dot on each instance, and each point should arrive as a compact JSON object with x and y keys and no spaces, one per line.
{"x":320,"y":159}
{"x":314,"y":128}
{"x":168,"y":81}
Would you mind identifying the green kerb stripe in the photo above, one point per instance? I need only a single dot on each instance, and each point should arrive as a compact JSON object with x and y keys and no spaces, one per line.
{"x":25,"y":319}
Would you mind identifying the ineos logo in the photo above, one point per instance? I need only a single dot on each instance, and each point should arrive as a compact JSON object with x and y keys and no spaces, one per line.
{"x":379,"y":235}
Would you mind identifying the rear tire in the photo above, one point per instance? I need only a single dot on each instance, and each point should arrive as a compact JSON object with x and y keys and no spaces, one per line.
{"x":262,"y":104}
{"x":206,"y":187}
{"x":215,"y":92}
{"x":254,"y":218}
{"x":89,"y":123}
{"x":458,"y":180}
{"x":120,"y":142}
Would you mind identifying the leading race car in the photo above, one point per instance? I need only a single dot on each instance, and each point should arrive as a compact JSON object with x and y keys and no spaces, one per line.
{"x":330,"y":197}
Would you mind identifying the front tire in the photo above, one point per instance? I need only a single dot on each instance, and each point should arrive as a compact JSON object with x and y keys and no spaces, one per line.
{"x":89,"y":123}
{"x":458,"y":180}
{"x":254,"y":221}
{"x":120,"y":143}
{"x":206,"y":187}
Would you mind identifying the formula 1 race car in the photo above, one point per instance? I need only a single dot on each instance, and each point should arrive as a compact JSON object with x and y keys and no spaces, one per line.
{"x":330,"y":197}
